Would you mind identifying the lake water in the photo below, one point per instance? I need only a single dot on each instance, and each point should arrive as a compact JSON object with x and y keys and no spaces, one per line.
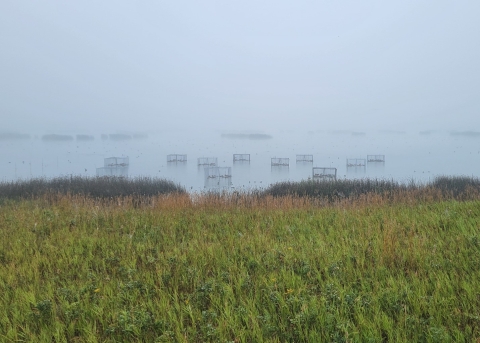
{"x":408,"y":156}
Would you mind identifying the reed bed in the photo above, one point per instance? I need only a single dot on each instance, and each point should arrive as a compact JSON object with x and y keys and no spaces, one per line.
{"x":454,"y":186}
{"x":95,"y":187}
{"x":339,"y":188}
{"x":396,"y":266}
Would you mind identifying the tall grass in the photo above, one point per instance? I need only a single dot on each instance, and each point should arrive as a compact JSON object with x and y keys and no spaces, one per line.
{"x":456,"y":185}
{"x":448,"y":186}
{"x":238,"y":268}
{"x":339,"y":188}
{"x":319,"y":192}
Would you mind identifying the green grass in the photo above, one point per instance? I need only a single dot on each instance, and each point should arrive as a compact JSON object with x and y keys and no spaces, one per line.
{"x":239,"y":268}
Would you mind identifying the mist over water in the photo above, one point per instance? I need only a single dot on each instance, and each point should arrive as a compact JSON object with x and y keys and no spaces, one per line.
{"x":216,"y":78}
{"x":408,"y":156}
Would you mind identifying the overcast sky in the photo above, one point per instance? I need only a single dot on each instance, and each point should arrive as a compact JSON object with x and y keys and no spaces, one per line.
{"x":235,"y":65}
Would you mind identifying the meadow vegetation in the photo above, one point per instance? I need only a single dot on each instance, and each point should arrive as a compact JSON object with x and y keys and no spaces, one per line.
{"x":397,"y":265}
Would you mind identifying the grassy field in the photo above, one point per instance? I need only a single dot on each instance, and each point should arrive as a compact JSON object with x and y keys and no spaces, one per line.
{"x":396,"y":266}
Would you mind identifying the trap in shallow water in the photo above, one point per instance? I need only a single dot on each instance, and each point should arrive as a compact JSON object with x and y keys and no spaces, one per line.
{"x":320,"y":173}
{"x":276,"y":161}
{"x":218,"y":172}
{"x":218,"y":177}
{"x":376,"y":158}
{"x":305,"y":158}
{"x":115,"y":162}
{"x":356,"y":162}
{"x":241,"y":158}
{"x":176,"y":158}
{"x":207,"y":161}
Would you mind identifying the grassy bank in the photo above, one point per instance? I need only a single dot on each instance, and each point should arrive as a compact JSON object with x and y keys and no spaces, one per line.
{"x":238,"y":268}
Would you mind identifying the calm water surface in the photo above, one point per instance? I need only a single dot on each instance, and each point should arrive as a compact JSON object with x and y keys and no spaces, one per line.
{"x":407,"y":156}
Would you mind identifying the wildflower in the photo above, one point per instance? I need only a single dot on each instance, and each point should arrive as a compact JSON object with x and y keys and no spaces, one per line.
{"x":186,"y":301}
{"x":97,"y":290}
{"x":289,"y":291}
{"x":290,"y":248}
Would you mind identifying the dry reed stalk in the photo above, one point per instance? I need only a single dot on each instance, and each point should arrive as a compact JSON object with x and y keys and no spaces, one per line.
{"x":247,"y":201}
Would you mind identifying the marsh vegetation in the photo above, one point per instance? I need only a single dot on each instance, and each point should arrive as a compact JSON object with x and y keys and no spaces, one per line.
{"x":95,"y":187}
{"x":288,"y":264}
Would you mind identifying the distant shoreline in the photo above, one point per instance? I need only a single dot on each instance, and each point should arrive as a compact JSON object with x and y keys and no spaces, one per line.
{"x":253,"y":136}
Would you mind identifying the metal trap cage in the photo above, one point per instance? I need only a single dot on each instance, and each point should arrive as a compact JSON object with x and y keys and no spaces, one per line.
{"x":116,"y":162}
{"x":241,"y":157}
{"x":356,"y":162}
{"x":276,"y":161}
{"x":207,"y":161}
{"x":176,"y":158}
{"x":218,"y":173}
{"x":304,"y":158}
{"x":321,"y":173}
{"x":376,"y":158}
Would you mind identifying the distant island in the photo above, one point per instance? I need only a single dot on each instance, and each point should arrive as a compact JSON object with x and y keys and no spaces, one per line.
{"x":124,"y":136}
{"x":426,"y":132}
{"x":13,"y":136}
{"x":257,"y":136}
{"x":57,"y":138}
{"x":466,"y":133}
{"x":119,"y":136}
{"x":85,"y":137}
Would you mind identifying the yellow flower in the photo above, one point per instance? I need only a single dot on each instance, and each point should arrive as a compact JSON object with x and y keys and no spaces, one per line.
{"x":289,"y":291}
{"x":97,"y":290}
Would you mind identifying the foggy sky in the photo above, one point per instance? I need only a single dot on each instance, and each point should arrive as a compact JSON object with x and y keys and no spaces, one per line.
{"x":235,"y":65}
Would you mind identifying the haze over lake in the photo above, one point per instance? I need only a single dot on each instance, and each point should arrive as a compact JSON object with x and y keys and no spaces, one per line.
{"x":331,"y":79}
{"x":418,"y":156}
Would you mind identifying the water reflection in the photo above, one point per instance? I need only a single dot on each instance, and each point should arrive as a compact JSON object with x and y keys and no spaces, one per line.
{"x":303,"y":169}
{"x":376,"y":169}
{"x":177,"y":171}
{"x":117,"y":171}
{"x":280,"y":173}
{"x":218,"y":184}
{"x":356,"y":171}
